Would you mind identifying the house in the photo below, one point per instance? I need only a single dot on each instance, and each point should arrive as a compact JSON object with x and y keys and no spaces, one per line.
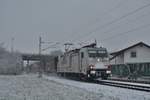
{"x":136,"y":57}
{"x":137,"y":53}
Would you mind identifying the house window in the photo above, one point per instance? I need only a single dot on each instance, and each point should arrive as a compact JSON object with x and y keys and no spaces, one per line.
{"x":133,"y":54}
{"x":82,"y":55}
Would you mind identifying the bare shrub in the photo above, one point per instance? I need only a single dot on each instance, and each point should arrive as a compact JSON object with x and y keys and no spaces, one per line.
{"x":10,"y":63}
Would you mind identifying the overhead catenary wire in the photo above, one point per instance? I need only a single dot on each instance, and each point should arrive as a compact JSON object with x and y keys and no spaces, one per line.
{"x":97,"y":19}
{"x":124,"y":33}
{"x":117,"y":27}
{"x":115,"y":20}
{"x":107,"y":12}
{"x":52,"y":46}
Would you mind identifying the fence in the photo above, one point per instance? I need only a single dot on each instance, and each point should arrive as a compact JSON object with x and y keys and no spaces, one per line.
{"x":131,"y":70}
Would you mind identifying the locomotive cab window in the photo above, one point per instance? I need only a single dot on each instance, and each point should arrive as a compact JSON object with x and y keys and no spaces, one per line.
{"x":97,"y":53}
{"x":92,"y":53}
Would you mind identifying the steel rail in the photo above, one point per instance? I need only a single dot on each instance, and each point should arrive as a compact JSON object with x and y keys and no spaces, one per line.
{"x":134,"y":86}
{"x":133,"y":81}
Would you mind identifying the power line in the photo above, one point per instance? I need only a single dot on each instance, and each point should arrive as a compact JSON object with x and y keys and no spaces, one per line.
{"x":52,"y":46}
{"x":109,"y":11}
{"x":12,"y":45}
{"x":118,"y":19}
{"x":123,"y":33}
{"x":117,"y":27}
{"x":97,"y":19}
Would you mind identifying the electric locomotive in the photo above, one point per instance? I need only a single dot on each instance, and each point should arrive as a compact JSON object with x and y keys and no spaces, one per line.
{"x":88,"y":62}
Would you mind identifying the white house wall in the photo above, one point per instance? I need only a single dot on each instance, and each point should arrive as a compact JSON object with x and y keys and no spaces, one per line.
{"x":142,"y":55}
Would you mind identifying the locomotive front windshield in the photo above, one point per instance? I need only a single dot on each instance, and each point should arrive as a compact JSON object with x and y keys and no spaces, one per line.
{"x":97,"y":53}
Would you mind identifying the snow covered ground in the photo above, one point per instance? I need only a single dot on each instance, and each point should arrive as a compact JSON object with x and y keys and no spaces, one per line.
{"x":106,"y":92}
{"x":30,"y":87}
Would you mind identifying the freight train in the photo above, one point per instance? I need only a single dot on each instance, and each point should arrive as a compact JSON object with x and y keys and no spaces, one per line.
{"x":88,"y":62}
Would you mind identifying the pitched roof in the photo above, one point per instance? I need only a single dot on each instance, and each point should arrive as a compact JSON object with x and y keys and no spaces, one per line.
{"x":125,"y":49}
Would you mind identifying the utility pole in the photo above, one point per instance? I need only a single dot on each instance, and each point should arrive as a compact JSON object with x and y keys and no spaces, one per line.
{"x":12,"y":45}
{"x":40,"y":53}
{"x":95,"y":41}
{"x":40,"y":50}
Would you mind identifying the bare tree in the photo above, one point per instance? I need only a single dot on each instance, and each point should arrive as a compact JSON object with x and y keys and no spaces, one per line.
{"x":10,"y":63}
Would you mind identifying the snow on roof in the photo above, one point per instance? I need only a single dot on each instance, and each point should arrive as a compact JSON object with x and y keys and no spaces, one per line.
{"x":117,"y":53}
{"x":125,"y":49}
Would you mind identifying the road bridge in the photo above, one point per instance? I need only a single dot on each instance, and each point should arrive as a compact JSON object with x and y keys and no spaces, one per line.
{"x":46,"y":60}
{"x":35,"y":57}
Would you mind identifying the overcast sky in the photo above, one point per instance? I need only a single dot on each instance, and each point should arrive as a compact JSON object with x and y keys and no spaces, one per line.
{"x":73,"y":21}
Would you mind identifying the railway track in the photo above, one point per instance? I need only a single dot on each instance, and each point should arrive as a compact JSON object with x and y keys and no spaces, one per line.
{"x":128,"y":85}
{"x":122,"y":84}
{"x":133,"y":81}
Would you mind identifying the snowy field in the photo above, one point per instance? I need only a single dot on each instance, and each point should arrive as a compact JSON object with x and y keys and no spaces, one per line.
{"x":106,"y":92}
{"x":29,"y":87}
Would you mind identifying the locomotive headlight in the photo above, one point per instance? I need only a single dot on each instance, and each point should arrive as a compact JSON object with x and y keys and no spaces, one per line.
{"x":91,"y":66}
{"x":93,"y":72}
{"x":108,"y":71}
